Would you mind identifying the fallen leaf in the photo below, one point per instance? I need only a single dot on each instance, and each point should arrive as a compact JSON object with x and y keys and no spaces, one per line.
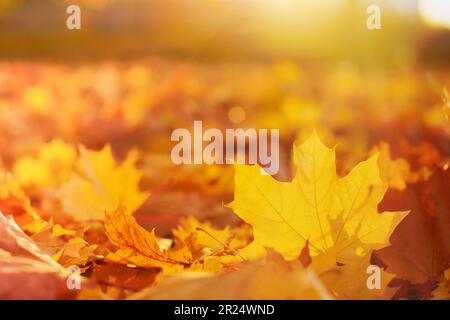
{"x":25,"y":271}
{"x":442,"y":292}
{"x":30,"y":279}
{"x":14,"y":201}
{"x":101,"y":184}
{"x":139,"y":246}
{"x":420,"y":249}
{"x":17,"y":243}
{"x":67,"y":247}
{"x":276,"y":279}
{"x":203,"y":239}
{"x":286,"y":215}
{"x":394,"y":172}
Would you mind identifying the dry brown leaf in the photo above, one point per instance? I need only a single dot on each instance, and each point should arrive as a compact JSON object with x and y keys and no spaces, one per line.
{"x":420,"y":249}
{"x":139,"y":246}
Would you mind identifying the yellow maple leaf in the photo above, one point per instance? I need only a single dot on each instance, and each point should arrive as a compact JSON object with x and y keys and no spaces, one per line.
{"x":285,"y":215}
{"x":101,"y":184}
{"x":343,"y":268}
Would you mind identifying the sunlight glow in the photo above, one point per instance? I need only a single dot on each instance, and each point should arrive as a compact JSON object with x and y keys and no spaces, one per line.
{"x":435,"y":12}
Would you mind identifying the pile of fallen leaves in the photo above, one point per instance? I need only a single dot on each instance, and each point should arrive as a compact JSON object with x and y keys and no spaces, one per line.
{"x":86,"y":181}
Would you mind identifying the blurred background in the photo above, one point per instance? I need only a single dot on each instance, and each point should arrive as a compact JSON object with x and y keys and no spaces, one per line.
{"x":326,"y":30}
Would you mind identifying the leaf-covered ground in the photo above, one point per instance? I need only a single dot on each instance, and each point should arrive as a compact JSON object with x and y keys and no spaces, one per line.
{"x":86,"y":180}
